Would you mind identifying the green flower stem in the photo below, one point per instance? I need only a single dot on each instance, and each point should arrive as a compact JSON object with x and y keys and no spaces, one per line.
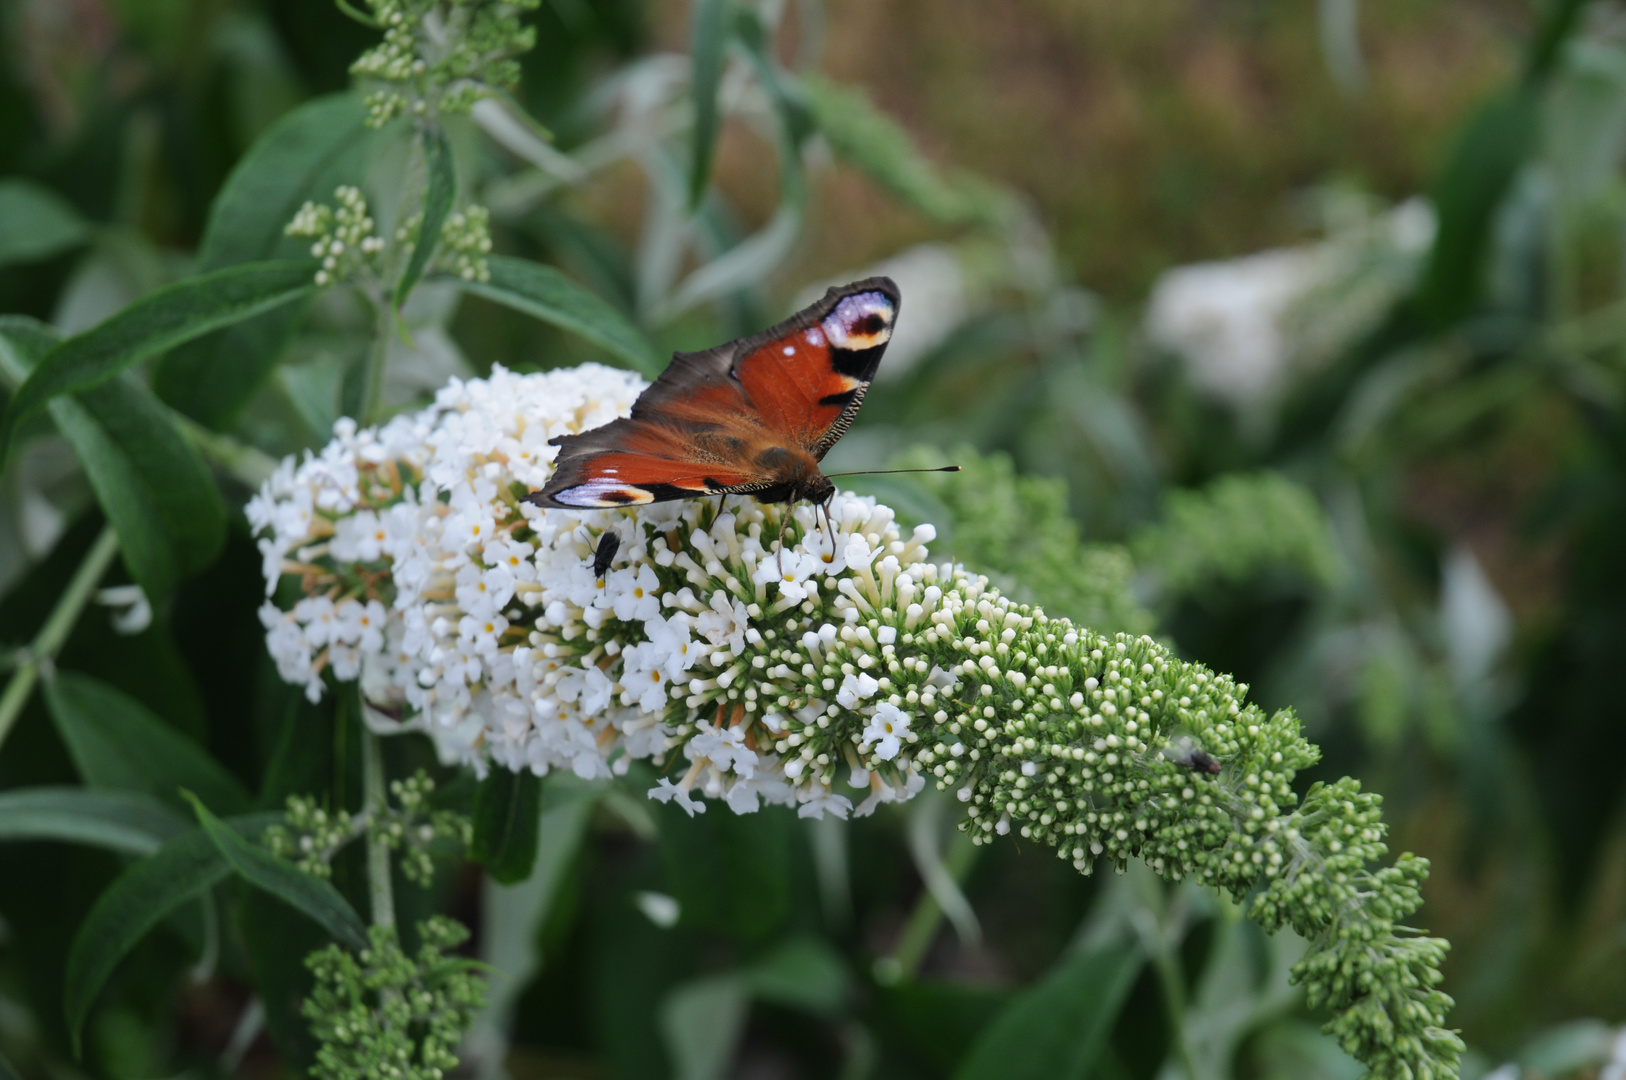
{"x":51,"y":637}
{"x":246,"y":464}
{"x":378,"y":849}
{"x":372,"y":396}
{"x":924,"y":920}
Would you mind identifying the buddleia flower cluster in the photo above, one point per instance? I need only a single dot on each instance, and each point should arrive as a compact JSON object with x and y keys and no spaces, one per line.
{"x":383,"y":1013}
{"x":755,"y":654}
{"x":311,"y":835}
{"x":465,"y":241}
{"x":346,"y":240}
{"x":344,"y":236}
{"x":441,"y":56}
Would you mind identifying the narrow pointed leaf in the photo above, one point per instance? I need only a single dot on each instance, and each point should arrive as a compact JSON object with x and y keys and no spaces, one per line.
{"x":437,"y":206}
{"x":137,"y":901}
{"x":1492,"y":149}
{"x":170,"y":473}
{"x":124,"y":821}
{"x":708,"y":48}
{"x":35,"y":223}
{"x":304,"y":155}
{"x":117,"y":744}
{"x":872,"y":142}
{"x":545,"y":293}
{"x":155,"y":324}
{"x":1056,"y":1029}
{"x":507,"y":816}
{"x":150,"y":480}
{"x":282,"y":879}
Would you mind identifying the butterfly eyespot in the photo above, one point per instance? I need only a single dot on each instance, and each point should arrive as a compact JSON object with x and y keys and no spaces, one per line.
{"x":863,"y":321}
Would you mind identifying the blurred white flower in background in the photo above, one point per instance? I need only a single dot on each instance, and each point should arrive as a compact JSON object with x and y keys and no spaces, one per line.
{"x":1242,"y":324}
{"x":132,"y":611}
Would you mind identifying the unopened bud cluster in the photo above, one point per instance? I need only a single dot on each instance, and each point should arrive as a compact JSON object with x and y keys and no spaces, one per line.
{"x":465,"y":241}
{"x":344,"y":238}
{"x":311,"y":836}
{"x":343,"y":235}
{"x":441,"y":56}
{"x":383,"y":1013}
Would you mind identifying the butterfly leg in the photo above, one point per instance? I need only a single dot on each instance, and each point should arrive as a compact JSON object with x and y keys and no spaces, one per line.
{"x":783,"y":520}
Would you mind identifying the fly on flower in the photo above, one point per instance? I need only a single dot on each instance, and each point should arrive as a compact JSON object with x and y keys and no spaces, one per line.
{"x":1194,"y":758}
{"x":604,"y":554}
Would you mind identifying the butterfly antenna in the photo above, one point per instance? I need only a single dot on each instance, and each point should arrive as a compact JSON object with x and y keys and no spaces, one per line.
{"x":888,"y":472}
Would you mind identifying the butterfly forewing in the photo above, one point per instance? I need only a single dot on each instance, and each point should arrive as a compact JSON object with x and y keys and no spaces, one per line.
{"x":751,"y":416}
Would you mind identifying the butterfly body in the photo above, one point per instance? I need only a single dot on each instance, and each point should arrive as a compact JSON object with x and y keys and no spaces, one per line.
{"x":753,"y":416}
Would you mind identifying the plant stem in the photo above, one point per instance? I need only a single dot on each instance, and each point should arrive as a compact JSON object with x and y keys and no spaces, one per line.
{"x":923,"y":922}
{"x":378,"y":849}
{"x":51,"y":637}
{"x":243,"y":462}
{"x":372,"y":394}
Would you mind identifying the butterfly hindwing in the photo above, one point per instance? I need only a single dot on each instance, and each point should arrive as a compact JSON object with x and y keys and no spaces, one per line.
{"x":749,"y":416}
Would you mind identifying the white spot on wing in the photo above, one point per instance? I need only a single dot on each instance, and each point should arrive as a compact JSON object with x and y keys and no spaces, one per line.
{"x":790,"y":350}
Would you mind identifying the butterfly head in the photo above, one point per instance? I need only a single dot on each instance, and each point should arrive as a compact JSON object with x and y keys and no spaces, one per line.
{"x":815,"y":488}
{"x":861,"y":321}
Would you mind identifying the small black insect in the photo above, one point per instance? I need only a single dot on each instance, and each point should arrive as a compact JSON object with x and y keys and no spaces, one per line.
{"x":1193,"y":758}
{"x":1199,"y":761}
{"x":608,"y":545}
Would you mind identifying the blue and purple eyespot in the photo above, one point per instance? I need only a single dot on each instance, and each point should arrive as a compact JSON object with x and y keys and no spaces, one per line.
{"x":862,"y":321}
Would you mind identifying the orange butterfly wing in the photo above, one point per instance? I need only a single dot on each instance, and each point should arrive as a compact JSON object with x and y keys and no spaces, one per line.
{"x":742,"y":417}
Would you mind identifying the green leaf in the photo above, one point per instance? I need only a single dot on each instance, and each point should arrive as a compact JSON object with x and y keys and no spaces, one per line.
{"x":437,"y":205}
{"x":169,"y":476}
{"x":116,"y":743}
{"x":1492,"y":149}
{"x":305,"y":155}
{"x":159,"y":322}
{"x":1055,"y":1030}
{"x":545,"y":293}
{"x":507,"y":812}
{"x":804,"y":972}
{"x":123,"y":821}
{"x":731,"y":873}
{"x":702,"y":1022}
{"x":7,"y":1072}
{"x":137,"y":901}
{"x":36,"y":223}
{"x":872,"y":142}
{"x":150,"y":480}
{"x":282,"y":879}
{"x":708,"y":47}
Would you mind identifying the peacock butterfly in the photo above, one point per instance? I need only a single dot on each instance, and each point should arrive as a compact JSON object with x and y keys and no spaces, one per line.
{"x":754,"y":416}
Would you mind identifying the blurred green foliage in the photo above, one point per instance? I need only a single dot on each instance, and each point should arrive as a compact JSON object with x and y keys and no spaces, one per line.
{"x":1410,"y":533}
